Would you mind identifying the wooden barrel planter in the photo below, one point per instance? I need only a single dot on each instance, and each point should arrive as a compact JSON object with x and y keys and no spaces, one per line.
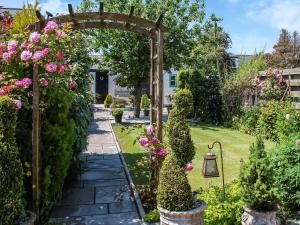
{"x":191,"y":217}
{"x":253,"y":217}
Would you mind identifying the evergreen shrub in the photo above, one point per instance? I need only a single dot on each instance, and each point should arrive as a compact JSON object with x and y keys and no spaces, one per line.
{"x":257,"y":181}
{"x":11,"y":173}
{"x":145,"y":102}
{"x":174,"y":192}
{"x":108,"y":101}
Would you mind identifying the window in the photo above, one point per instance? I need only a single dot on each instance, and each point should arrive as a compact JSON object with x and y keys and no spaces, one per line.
{"x":173,"y":81}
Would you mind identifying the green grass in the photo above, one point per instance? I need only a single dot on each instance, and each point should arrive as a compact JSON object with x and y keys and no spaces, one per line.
{"x":235,"y":147}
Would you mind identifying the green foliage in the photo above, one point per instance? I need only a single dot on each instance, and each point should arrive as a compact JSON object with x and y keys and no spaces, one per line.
{"x":117,"y":112}
{"x":273,"y":123}
{"x":286,"y":164}
{"x":11,"y":173}
{"x":235,"y":86}
{"x":57,"y":141}
{"x":24,"y":17}
{"x":145,"y":102}
{"x":257,"y":180}
{"x":152,"y":217}
{"x":174,"y":192}
{"x":208,"y":103}
{"x":248,"y":120}
{"x":108,"y":101}
{"x":223,"y":211}
{"x":178,"y":131}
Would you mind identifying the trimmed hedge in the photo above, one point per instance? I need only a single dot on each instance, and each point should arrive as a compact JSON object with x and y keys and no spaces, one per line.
{"x":11,"y":173}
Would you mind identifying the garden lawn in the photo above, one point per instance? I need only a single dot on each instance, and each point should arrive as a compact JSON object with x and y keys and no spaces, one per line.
{"x":235,"y":147}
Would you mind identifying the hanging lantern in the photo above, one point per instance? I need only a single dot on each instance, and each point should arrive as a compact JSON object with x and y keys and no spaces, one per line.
{"x":210,"y":166}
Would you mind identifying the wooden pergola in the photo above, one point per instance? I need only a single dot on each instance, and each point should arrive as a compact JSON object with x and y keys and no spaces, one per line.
{"x":101,"y":19}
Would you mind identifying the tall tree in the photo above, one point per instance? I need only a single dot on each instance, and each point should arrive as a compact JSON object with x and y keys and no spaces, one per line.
{"x":286,"y":52}
{"x":127,"y":55}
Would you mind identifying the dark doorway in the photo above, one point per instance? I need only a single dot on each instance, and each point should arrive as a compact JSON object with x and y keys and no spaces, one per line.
{"x":101,"y":86}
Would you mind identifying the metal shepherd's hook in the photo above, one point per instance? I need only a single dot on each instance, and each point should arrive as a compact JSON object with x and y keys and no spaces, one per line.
{"x":222,"y":163}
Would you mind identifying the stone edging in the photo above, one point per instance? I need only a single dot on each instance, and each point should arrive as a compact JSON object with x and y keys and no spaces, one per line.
{"x":136,"y":196}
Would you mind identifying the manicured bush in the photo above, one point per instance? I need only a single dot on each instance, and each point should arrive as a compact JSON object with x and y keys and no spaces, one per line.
{"x":226,"y":211}
{"x":178,"y":130}
{"x":286,"y":164}
{"x":117,"y":112}
{"x":174,"y":192}
{"x":145,"y":102}
{"x":108,"y":101}
{"x":257,"y":180}
{"x":248,"y":120}
{"x":11,"y":173}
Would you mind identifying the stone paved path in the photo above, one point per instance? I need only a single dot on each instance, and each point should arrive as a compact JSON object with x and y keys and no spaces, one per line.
{"x":102,"y":195}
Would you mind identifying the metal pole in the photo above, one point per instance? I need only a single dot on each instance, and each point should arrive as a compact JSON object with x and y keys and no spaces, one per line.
{"x":222,"y":164}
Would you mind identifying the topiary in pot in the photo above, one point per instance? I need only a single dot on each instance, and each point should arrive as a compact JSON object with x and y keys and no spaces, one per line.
{"x":118,"y":113}
{"x":11,"y":172}
{"x":175,"y":198}
{"x":259,"y":194}
{"x":108,"y":101}
{"x":145,"y":104}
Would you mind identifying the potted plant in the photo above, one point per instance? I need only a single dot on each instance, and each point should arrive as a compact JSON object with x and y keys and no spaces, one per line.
{"x":175,"y":199}
{"x":145,"y":104}
{"x":259,"y":194}
{"x":118,"y":113}
{"x":108,"y":101}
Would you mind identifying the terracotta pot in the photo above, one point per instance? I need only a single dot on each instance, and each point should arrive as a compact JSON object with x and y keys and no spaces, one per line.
{"x":118,"y":118}
{"x":146,"y":112}
{"x":30,"y":220}
{"x":191,"y":217}
{"x":253,"y":217}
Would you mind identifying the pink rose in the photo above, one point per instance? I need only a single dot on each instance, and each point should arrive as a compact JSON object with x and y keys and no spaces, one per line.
{"x":153,"y":152}
{"x":26,"y":55}
{"x":27,"y":81}
{"x":45,"y":51}
{"x":298,"y":142}
{"x":26,"y":46}
{"x":144,"y":141}
{"x":19,"y":84}
{"x":12,"y":52}
{"x":60,"y":34}
{"x":50,"y":26}
{"x":44,"y":82}
{"x":6,"y":57}
{"x":72,"y":85}
{"x":12,"y":45}
{"x":154,"y":140}
{"x":18,"y":104}
{"x":60,"y":55}
{"x":61,"y":70}
{"x":2,"y":92}
{"x":51,"y":67}
{"x":35,"y":37}
{"x":38,"y":55}
{"x":150,"y":129}
{"x":189,"y":167}
{"x":162,"y":152}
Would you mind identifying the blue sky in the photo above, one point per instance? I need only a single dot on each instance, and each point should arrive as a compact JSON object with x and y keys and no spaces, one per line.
{"x":252,"y":24}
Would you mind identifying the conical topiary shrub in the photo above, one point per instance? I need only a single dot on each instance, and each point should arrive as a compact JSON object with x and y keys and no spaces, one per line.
{"x":178,"y":130}
{"x":174,"y":192}
{"x":108,"y":101}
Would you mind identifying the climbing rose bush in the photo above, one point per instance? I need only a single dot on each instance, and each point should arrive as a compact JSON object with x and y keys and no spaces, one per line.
{"x":19,"y":54}
{"x":272,"y":87}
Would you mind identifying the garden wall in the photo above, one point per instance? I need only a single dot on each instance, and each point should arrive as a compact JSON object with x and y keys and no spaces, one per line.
{"x":292,"y":77}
